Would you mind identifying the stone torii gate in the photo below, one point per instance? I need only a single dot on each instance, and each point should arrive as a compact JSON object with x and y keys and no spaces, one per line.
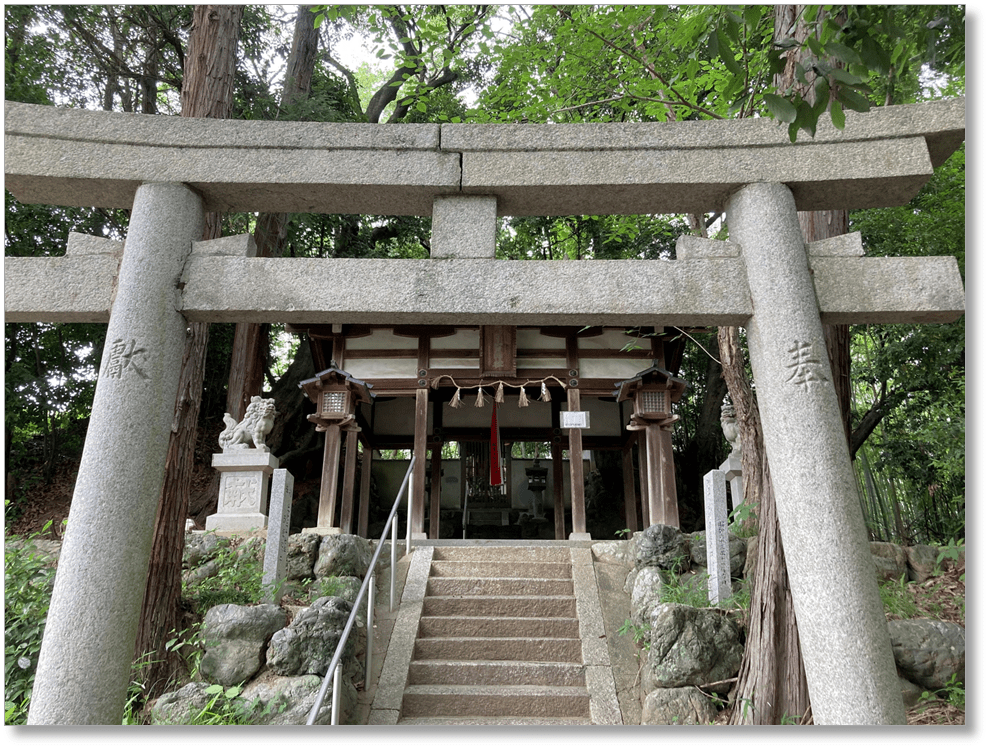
{"x":170,"y":170}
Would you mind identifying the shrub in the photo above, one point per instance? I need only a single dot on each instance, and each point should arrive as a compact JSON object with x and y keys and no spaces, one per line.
{"x":28,"y":578}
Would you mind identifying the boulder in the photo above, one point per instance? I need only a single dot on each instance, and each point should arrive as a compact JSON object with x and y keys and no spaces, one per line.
{"x":343,"y":555}
{"x":198,"y":547}
{"x":647,"y":591}
{"x":929,"y":652}
{"x":737,"y":551}
{"x":307,"y":645}
{"x":287,"y":700}
{"x":346,"y":588}
{"x":683,"y":706}
{"x":613,"y":552}
{"x":302,"y":551}
{"x":662,"y":546}
{"x":890,"y":560}
{"x":181,"y":707}
{"x":691,"y":646}
{"x":234,"y":639}
{"x":921,"y":562}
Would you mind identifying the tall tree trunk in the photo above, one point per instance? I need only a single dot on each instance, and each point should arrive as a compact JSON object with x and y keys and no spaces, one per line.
{"x":250,"y":345}
{"x":207,"y":91}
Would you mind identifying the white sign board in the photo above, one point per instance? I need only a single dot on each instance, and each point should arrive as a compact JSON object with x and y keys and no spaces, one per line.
{"x":575,"y":419}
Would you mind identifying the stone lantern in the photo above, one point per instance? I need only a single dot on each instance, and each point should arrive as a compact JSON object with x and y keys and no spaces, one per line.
{"x":536,"y":476}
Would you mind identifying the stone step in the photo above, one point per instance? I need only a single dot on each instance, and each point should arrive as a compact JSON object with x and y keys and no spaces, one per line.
{"x":517,"y":554}
{"x":488,"y":568}
{"x":474,"y":720}
{"x":497,"y":586}
{"x":516,"y":606}
{"x":557,"y":649}
{"x":498,"y":626}
{"x":496,"y":672}
{"x":503,"y":701}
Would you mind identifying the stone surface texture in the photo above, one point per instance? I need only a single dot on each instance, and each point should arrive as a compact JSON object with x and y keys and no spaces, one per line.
{"x":234,"y":639}
{"x":737,"y":552}
{"x":343,"y":555}
{"x":302,"y":551}
{"x":84,"y":666}
{"x":276,"y":541}
{"x":662,"y":546}
{"x":307,"y":645}
{"x":464,"y":227}
{"x":929,"y":652}
{"x":679,"y":706}
{"x":851,"y":675}
{"x":690,"y":646}
{"x":626,"y":168}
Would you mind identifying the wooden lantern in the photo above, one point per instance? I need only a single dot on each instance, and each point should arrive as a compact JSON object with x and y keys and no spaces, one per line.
{"x":653,"y":392}
{"x":336,"y":395}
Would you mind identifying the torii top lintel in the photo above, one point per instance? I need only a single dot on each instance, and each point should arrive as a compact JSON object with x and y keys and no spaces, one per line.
{"x":77,"y":157}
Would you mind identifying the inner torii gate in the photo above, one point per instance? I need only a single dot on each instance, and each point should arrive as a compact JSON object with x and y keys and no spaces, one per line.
{"x":170,"y":170}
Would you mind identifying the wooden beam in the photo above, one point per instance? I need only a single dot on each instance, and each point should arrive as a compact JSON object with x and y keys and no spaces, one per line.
{"x":365,"y":508}
{"x":559,"y":510}
{"x":328,"y":482}
{"x":628,"y":482}
{"x":576,"y":468}
{"x":435,"y":492}
{"x":349,"y":479}
{"x":418,"y":519}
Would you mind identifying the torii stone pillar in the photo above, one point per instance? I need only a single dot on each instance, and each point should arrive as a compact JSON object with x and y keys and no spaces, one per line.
{"x":848,"y":657}
{"x":88,"y":647}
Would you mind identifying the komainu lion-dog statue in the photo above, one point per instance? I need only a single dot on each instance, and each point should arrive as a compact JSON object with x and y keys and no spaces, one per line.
{"x":250,"y":432}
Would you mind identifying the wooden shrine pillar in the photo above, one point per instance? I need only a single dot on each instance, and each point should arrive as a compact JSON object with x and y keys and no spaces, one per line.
{"x":365,"y":507}
{"x":559,"y":510}
{"x":328,"y":482}
{"x":435,"y":491}
{"x":628,"y":481}
{"x":660,"y":477}
{"x":418,"y":520}
{"x":640,"y":446}
{"x":349,"y":478}
{"x":576,"y":468}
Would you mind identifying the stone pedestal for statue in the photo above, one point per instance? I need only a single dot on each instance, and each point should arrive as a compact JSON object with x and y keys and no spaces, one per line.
{"x":244,"y":479}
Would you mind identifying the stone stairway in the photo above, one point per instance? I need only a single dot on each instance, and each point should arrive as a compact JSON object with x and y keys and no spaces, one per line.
{"x":495,"y":637}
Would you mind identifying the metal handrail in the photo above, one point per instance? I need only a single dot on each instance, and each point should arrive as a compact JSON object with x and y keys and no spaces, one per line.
{"x":335,"y":669}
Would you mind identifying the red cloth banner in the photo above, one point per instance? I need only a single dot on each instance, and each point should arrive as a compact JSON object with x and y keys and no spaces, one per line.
{"x":496,"y":477}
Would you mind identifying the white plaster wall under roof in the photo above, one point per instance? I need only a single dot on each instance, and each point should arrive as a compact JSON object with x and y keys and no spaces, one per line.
{"x":371,"y":369}
{"x":532,"y":338}
{"x":381,"y":339}
{"x":462,"y":338}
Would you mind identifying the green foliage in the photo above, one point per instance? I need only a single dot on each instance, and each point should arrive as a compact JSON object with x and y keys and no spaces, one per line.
{"x":912,"y":467}
{"x":640,"y":633}
{"x":897,"y":599}
{"x":742,"y":521}
{"x":953,"y":693}
{"x":238,"y":578}
{"x":28,"y":579}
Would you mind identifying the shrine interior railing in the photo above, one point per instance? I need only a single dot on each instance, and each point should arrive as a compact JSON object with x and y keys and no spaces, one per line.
{"x":335,"y":670}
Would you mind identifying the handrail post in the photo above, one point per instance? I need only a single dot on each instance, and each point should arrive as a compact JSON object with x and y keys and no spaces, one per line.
{"x":370,"y":631}
{"x":408,"y":522}
{"x":394,"y":554}
{"x":335,"y":707}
